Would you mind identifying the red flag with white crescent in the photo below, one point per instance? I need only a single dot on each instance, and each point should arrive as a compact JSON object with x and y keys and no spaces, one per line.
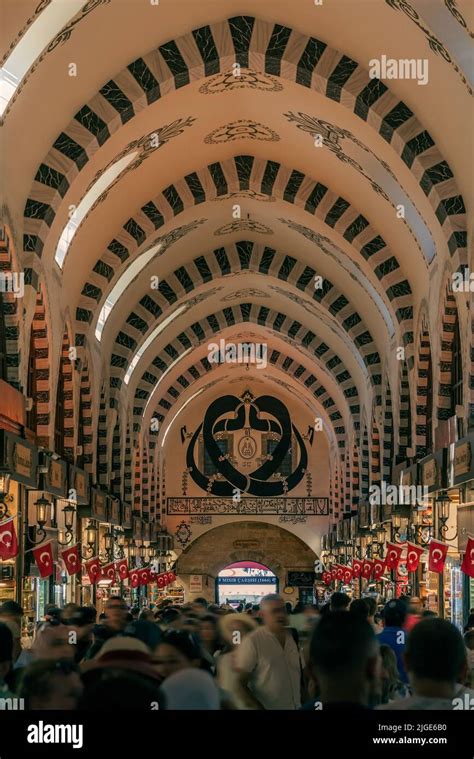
{"x":122,"y":568}
{"x":171,"y":577}
{"x":357,"y":567}
{"x":8,"y":540}
{"x":161,"y":581}
{"x":347,"y":575}
{"x":334,"y":571}
{"x":92,"y":567}
{"x":144,"y":576}
{"x":437,"y":555}
{"x":379,"y":568}
{"x":340,"y":571}
{"x":394,"y":553}
{"x":414,"y":554}
{"x":327,"y":578}
{"x":367,"y":569}
{"x":44,"y":558}
{"x":72,"y":559}
{"x":134,"y":578}
{"x":467,"y":565}
{"x":108,"y":572}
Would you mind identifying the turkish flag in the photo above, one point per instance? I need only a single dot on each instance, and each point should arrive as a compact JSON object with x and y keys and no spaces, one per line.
{"x":467,"y":565}
{"x":134,"y":578}
{"x":367,"y":568}
{"x":108,"y":572}
{"x":347,"y":575}
{"x":72,"y":559}
{"x":171,"y":577}
{"x":327,"y":579}
{"x":340,"y":571}
{"x":394,"y":553}
{"x":437,"y":555}
{"x":93,"y":569}
{"x":122,"y":568}
{"x":161,"y":580}
{"x":44,"y":559}
{"x":379,"y":568}
{"x":8,"y":540}
{"x":414,"y":554}
{"x":334,"y":572}
{"x":357,"y":567}
{"x":144,"y":576}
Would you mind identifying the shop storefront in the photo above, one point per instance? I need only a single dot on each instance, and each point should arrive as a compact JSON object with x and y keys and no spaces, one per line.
{"x":48,"y":521}
{"x":18,"y":475}
{"x":461,"y":494}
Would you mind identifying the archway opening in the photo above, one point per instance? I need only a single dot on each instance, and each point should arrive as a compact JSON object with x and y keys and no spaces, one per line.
{"x":245,"y":582}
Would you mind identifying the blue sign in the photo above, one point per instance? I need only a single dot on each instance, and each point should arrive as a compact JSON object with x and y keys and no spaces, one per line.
{"x":250,"y":580}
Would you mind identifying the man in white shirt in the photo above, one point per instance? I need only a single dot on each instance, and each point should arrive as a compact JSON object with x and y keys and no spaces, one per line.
{"x":268,"y":661}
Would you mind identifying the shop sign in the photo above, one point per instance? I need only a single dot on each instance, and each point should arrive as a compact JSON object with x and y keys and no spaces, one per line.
{"x":195,"y":583}
{"x":55,"y":480}
{"x":19,"y":458}
{"x":114,"y":511}
{"x":146,"y":532}
{"x":79,"y":481}
{"x":462,"y":459}
{"x":301,"y":579}
{"x":433,"y":470}
{"x":363,"y":515}
{"x":99,"y":506}
{"x":126,"y":516}
{"x":246,"y":544}
{"x":430,"y":473}
{"x":137,"y":528}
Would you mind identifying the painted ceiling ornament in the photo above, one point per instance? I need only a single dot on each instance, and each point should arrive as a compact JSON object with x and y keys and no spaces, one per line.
{"x":144,"y":147}
{"x":246,"y":79}
{"x":240,"y":225}
{"x":183,"y":533}
{"x":248,"y":195}
{"x":246,"y":293}
{"x":242,"y":129}
{"x":254,"y":417}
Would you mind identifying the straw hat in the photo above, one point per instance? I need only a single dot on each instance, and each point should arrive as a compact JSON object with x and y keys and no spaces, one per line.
{"x":229,"y":623}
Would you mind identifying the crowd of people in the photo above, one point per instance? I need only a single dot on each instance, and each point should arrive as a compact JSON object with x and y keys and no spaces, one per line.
{"x":201,"y":656}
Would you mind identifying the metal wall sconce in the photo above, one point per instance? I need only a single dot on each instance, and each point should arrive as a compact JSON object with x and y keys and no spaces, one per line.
{"x":443,"y":507}
{"x":421,"y":531}
{"x":4,"y":497}
{"x":42,"y":507}
{"x":66,"y":536}
{"x":91,"y":532}
{"x":396,"y":525}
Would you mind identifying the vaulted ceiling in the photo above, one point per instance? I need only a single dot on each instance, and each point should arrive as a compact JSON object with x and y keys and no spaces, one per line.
{"x":182,"y":170}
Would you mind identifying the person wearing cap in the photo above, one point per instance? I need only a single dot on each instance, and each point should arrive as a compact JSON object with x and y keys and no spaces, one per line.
{"x":394,"y":634}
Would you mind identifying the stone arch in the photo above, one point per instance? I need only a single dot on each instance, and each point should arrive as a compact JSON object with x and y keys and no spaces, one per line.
{"x":276,"y":50}
{"x":247,"y":173}
{"x":450,"y":334}
{"x":9,"y":306}
{"x":404,"y":414}
{"x":64,"y":393}
{"x":388,"y":432}
{"x":40,"y":345}
{"x":275,"y":547}
{"x":424,"y":392}
{"x":85,"y":426}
